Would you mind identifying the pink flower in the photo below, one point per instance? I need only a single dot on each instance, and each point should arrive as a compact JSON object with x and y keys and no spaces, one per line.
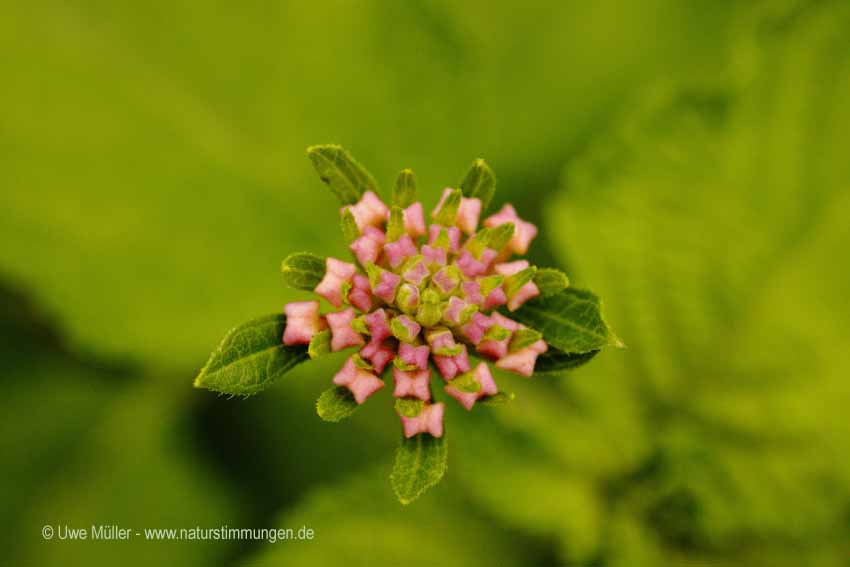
{"x":360,"y":295}
{"x":522,"y":361}
{"x":413,"y":383}
{"x":429,"y":420}
{"x":368,"y":211}
{"x":482,"y":375}
{"x":362,"y":383}
{"x":337,"y":274}
{"x":399,"y":250}
{"x":467,"y":213}
{"x":302,"y":322}
{"x":453,"y":235}
{"x":414,"y":220}
{"x":414,"y":355}
{"x":368,"y":246}
{"x":524,"y":232}
{"x":525,"y":292}
{"x":342,"y":335}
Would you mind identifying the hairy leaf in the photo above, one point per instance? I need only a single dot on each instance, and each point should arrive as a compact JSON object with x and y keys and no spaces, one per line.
{"x":479,"y":183}
{"x":409,"y":407}
{"x":570,"y":321}
{"x":350,"y":231}
{"x":404,"y":190}
{"x":346,"y":178}
{"x":497,"y":399}
{"x":420,"y":463}
{"x":303,"y":270}
{"x":550,"y":281}
{"x":250,"y":358}
{"x":320,"y":344}
{"x":556,"y":360}
{"x":336,"y":404}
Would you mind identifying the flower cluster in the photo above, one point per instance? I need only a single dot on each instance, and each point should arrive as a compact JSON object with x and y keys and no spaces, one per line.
{"x":425,"y":292}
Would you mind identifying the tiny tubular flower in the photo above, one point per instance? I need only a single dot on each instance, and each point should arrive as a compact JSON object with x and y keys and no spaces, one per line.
{"x":368,"y":246}
{"x":486,"y":387}
{"x":342,"y":334}
{"x":361,"y":382}
{"x":337,"y":274}
{"x":413,"y":383}
{"x":523,"y":234}
{"x":302,"y":322}
{"x":429,"y":420}
{"x":368,"y":211}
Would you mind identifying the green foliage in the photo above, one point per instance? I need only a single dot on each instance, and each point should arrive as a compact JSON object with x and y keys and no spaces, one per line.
{"x":404,"y":190}
{"x":420,"y":463}
{"x":303,"y":270}
{"x":497,"y":399}
{"x":336,"y":404}
{"x":479,"y":183}
{"x":341,"y":172}
{"x":447,"y":213}
{"x":320,"y":344}
{"x":570,"y":321}
{"x":348,"y":225}
{"x":550,"y":281}
{"x":250,"y":358}
{"x":409,"y":407}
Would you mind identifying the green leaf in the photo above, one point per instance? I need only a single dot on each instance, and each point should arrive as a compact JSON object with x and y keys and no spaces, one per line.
{"x":409,"y":407}
{"x":570,"y":321}
{"x":555,"y":360}
{"x":303,"y":270}
{"x":404,"y":190}
{"x":497,"y":399}
{"x":336,"y":404}
{"x":350,"y":230}
{"x":395,"y":226}
{"x":550,"y":281}
{"x":515,"y":281}
{"x":480,"y":183}
{"x":420,"y":463}
{"x":465,"y":383}
{"x":346,"y":178}
{"x":523,"y":338}
{"x":447,"y":214}
{"x":320,"y":344}
{"x":250,"y":358}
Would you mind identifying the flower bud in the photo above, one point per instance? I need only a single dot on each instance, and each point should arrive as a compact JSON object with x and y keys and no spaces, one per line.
{"x":343,"y":334}
{"x":302,"y":322}
{"x":429,"y":420}
{"x":405,"y":329}
{"x":361,"y":383}
{"x":407,"y":298}
{"x":480,"y":376}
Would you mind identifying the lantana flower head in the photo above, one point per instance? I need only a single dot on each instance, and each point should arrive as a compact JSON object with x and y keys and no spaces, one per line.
{"x":425,"y":294}
{"x":431,"y":301}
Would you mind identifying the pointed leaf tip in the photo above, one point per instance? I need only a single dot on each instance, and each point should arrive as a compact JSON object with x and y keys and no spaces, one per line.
{"x":420,"y":463}
{"x":341,"y":172}
{"x":303,"y":270}
{"x":336,"y":404}
{"x":479,"y":183}
{"x":250,"y":358}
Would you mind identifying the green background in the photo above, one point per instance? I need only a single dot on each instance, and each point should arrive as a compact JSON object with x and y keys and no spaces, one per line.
{"x":688,"y":161}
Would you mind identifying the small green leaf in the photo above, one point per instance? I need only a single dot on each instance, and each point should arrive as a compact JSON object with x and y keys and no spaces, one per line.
{"x":500,"y":235}
{"x":395,"y":226}
{"x":320,"y":344}
{"x":350,"y":231}
{"x":555,"y":360}
{"x":250,"y":358}
{"x":480,"y":183}
{"x":570,"y":321}
{"x":523,"y":338}
{"x":404,"y":190}
{"x":409,"y":407}
{"x":550,"y":281}
{"x":514,"y":282}
{"x":336,"y":404}
{"x":497,"y":399}
{"x":448,"y":211}
{"x":346,"y":178}
{"x":303,"y":270}
{"x":420,"y":463}
{"x":465,"y":383}
{"x":496,"y":333}
{"x":489,"y":283}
